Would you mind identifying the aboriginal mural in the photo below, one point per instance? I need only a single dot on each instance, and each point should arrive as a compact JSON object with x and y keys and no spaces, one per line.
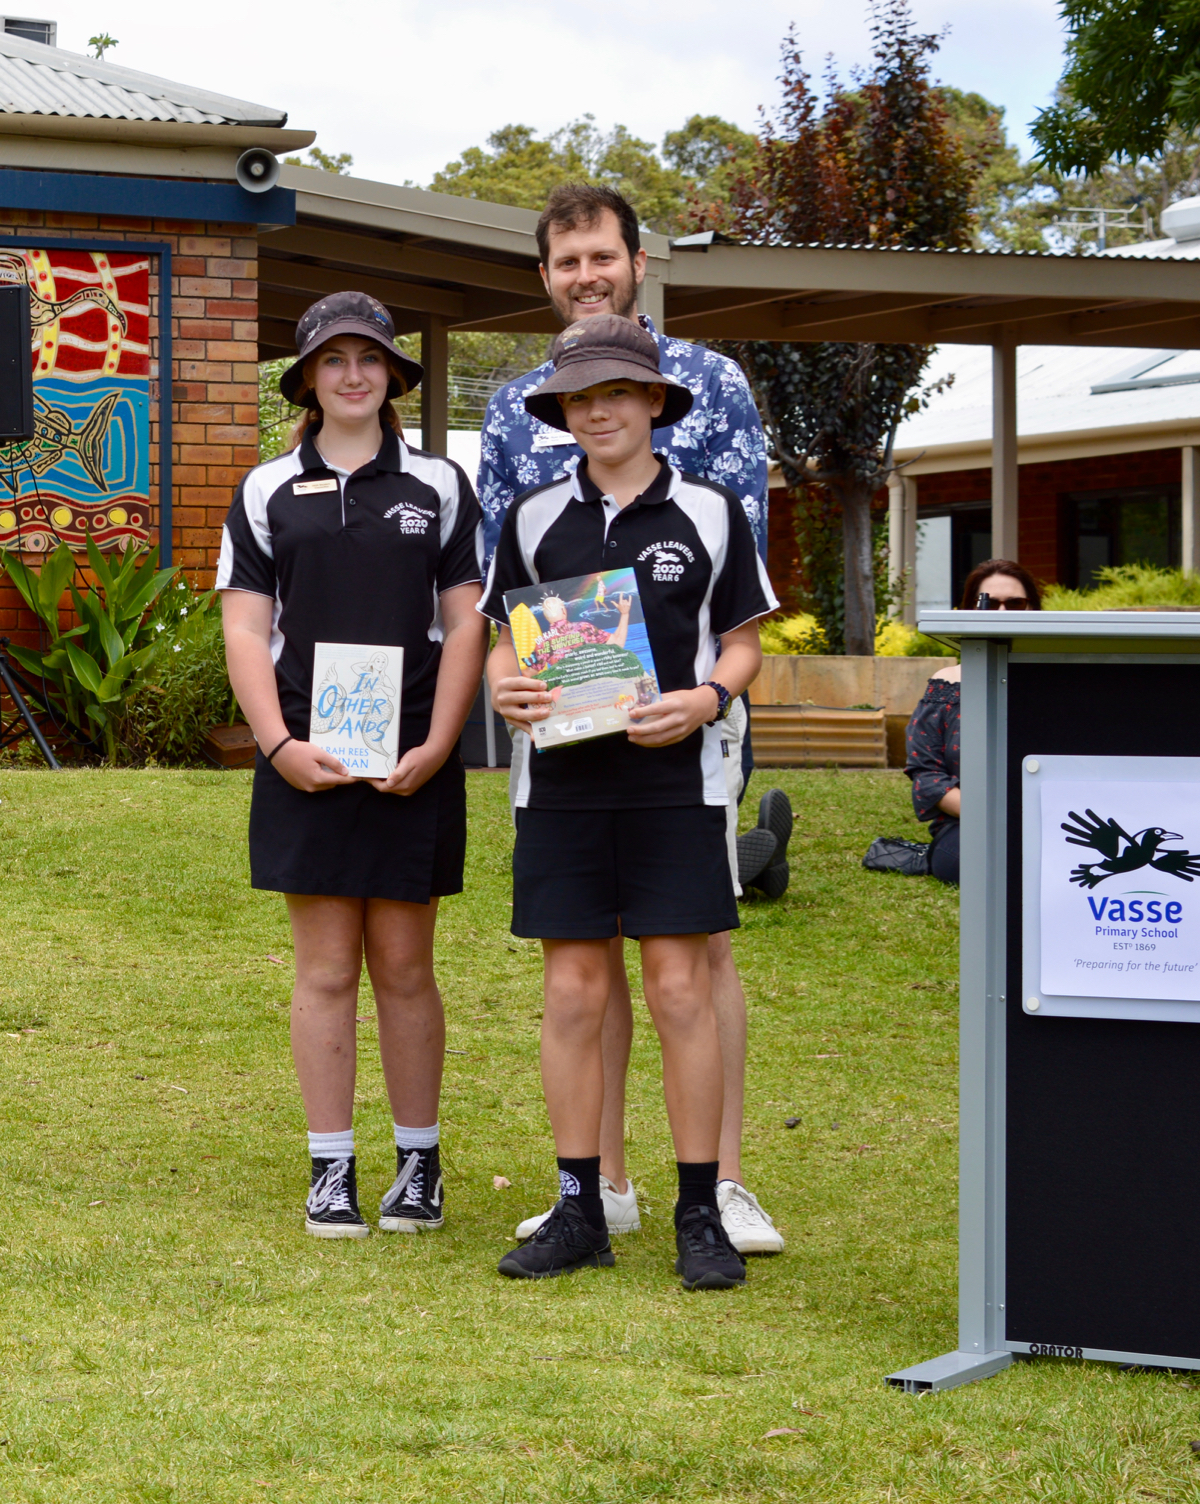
{"x":85,"y":473}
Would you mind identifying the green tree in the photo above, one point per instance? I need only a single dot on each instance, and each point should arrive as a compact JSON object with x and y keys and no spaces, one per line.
{"x":340,"y":164}
{"x":704,"y":159}
{"x":101,"y":44}
{"x":1132,"y":74}
{"x":877,"y":164}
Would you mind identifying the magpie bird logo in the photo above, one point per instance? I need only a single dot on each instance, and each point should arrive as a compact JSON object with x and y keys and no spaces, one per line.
{"x":1121,"y":853}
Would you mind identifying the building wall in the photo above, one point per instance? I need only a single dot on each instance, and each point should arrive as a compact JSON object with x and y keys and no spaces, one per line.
{"x":214,"y":375}
{"x":1040,"y":487}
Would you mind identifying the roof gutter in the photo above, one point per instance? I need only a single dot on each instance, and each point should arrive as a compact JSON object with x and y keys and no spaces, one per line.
{"x":153,"y":132}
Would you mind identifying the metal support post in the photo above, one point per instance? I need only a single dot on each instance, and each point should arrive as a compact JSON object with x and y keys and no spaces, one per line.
{"x":651,"y":300}
{"x":435,"y":384}
{"x":902,"y":545}
{"x":489,"y":724}
{"x":1190,"y":510}
{"x":1004,"y":448}
{"x":982,"y":988}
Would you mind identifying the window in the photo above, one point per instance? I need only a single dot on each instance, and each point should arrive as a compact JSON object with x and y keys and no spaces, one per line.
{"x":1135,"y":525}
{"x":951,"y":540}
{"x":45,"y":32}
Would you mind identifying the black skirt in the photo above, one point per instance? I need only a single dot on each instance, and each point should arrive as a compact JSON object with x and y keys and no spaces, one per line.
{"x":354,"y":842}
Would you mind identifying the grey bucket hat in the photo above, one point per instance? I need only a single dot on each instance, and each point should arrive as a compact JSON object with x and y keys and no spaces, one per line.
{"x":345,"y":313}
{"x":605,"y":347}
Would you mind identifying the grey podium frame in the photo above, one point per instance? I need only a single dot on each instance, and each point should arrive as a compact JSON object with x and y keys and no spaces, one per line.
{"x":988,"y":640}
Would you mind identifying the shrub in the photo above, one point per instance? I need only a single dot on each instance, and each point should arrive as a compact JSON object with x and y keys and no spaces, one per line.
{"x":1128,"y":585}
{"x":802,"y":634}
{"x":188,"y":688}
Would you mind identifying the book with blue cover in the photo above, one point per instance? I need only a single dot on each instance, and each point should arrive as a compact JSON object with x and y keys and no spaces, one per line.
{"x":356,"y":705}
{"x":585,"y":639}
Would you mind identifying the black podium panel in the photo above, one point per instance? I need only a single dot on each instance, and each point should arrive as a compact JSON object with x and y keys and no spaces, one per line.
{"x":1103,"y":1116}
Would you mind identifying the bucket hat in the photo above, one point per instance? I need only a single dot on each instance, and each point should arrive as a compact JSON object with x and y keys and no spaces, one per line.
{"x":344,"y":313}
{"x":605,"y":347}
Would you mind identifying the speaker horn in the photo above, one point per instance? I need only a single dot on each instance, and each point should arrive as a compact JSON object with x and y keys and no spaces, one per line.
{"x":257,"y":170}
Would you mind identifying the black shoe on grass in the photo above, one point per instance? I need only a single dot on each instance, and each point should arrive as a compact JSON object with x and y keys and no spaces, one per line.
{"x":775,"y":815}
{"x":774,"y":819}
{"x":331,"y":1210}
{"x":707,"y":1259}
{"x":756,"y":850}
{"x":564,"y":1242}
{"x":414,"y":1203}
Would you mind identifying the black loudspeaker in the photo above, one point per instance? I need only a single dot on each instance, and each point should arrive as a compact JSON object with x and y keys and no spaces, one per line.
{"x":16,"y":367}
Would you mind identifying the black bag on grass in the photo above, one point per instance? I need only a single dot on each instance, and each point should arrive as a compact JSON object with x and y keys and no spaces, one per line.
{"x":893,"y":854}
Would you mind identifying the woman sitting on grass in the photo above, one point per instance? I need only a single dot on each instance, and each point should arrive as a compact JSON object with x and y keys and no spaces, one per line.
{"x":933,"y":735}
{"x":353,"y":538}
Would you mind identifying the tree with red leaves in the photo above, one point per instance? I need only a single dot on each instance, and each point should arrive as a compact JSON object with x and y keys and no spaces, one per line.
{"x":877,"y":163}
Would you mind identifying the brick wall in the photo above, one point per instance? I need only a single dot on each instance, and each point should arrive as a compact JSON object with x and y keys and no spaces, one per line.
{"x":1039,"y":490}
{"x":1039,"y":487}
{"x":214,"y":376}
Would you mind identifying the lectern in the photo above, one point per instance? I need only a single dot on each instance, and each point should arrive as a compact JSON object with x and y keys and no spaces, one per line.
{"x":1079,"y":1087}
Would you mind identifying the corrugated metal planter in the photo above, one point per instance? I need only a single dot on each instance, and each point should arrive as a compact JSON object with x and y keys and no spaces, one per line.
{"x":792,"y":692}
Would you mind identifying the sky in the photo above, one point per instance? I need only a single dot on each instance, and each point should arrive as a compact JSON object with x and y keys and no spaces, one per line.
{"x":406,"y":86}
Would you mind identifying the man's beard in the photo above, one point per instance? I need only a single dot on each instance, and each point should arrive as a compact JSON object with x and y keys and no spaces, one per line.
{"x":623,"y":295}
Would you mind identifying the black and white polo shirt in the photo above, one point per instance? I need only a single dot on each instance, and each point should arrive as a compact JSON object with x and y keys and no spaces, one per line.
{"x":359,"y":557}
{"x":699,"y":575}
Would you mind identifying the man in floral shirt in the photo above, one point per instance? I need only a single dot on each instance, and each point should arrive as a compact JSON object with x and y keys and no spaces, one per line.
{"x":592,"y":262}
{"x":721,"y":439}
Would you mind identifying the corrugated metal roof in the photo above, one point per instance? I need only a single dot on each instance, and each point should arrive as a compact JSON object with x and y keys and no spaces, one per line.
{"x":38,"y":80}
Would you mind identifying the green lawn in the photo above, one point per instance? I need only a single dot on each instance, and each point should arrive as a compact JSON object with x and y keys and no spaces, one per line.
{"x":170,"y":1333}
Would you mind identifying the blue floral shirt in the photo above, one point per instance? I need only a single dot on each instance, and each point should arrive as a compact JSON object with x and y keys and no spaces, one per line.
{"x":721,"y":439}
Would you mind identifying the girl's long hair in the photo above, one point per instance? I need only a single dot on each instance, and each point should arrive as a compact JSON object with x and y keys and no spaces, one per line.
{"x":313,"y":417}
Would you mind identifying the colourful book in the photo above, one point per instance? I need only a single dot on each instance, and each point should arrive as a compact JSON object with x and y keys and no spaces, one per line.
{"x":356,"y":705}
{"x":585,"y":639}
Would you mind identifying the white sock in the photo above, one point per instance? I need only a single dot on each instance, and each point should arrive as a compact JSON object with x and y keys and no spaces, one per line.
{"x":415,"y":1138}
{"x":331,"y":1145}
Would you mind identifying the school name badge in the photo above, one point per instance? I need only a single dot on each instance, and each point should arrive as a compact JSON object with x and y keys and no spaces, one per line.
{"x":585,"y":639}
{"x":356,"y":705}
{"x":1111,"y":912}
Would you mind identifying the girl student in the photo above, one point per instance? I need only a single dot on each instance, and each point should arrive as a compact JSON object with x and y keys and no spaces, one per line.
{"x":352,"y":537}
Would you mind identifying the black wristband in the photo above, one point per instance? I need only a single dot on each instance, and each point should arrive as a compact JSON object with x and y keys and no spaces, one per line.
{"x":279,"y":748}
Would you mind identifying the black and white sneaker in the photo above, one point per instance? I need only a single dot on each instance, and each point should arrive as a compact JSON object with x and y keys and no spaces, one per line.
{"x":414,"y":1203}
{"x":707,"y":1259}
{"x":564,"y":1242}
{"x":331,"y":1210}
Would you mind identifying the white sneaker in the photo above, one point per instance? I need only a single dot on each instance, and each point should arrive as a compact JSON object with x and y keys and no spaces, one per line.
{"x":749,"y":1228}
{"x":620,"y":1211}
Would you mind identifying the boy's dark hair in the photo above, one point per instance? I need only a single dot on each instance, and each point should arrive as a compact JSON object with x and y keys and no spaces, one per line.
{"x":575,"y":204}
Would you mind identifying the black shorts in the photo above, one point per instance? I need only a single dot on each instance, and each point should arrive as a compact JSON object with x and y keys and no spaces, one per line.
{"x":354,"y":842}
{"x":595,"y":874}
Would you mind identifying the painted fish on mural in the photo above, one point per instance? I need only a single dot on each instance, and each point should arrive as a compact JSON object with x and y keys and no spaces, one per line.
{"x":85,"y":473}
{"x":54,"y":435}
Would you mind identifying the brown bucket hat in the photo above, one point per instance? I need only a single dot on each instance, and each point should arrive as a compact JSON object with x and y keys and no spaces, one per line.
{"x":605,"y":347}
{"x":345,"y":313}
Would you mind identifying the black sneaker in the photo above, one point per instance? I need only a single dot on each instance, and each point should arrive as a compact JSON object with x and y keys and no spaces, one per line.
{"x":775,"y":815}
{"x":775,"y":819}
{"x":756,"y":850}
{"x":564,"y":1242}
{"x":331,"y":1210}
{"x":707,"y":1259}
{"x":414,"y":1203}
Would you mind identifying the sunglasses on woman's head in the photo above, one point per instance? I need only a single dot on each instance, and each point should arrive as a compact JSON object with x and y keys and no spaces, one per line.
{"x":1012,"y":603}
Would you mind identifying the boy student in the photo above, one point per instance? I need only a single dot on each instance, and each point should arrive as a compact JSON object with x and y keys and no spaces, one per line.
{"x":625,"y":835}
{"x":592,"y":263}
